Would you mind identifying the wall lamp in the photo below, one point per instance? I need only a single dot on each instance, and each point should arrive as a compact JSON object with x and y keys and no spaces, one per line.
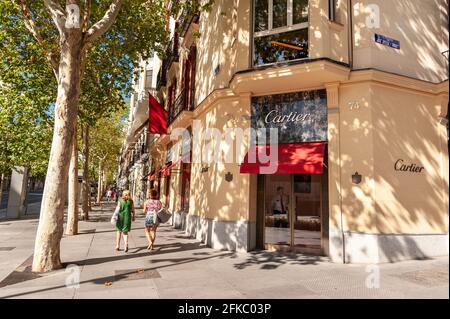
{"x":356,"y":178}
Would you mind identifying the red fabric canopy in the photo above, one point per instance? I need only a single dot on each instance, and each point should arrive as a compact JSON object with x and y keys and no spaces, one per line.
{"x":157,"y":117}
{"x":303,"y":158}
{"x":165,"y":171}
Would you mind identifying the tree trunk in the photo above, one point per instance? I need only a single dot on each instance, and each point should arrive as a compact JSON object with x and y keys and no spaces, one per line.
{"x":100,"y":186}
{"x":51,"y":220}
{"x":72,"y":211}
{"x":2,"y":179}
{"x":86,"y":186}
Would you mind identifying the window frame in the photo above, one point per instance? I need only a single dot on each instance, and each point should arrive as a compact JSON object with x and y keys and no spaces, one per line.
{"x":290,"y":26}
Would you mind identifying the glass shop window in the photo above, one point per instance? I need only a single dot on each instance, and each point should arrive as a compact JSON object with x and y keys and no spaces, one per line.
{"x":280,"y":30}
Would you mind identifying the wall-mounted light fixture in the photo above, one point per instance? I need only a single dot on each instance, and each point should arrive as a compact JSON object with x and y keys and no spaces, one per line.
{"x":229,"y":177}
{"x":204,"y":169}
{"x":356,"y":178}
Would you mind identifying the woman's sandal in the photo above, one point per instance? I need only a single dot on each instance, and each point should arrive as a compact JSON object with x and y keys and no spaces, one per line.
{"x":126,"y":248}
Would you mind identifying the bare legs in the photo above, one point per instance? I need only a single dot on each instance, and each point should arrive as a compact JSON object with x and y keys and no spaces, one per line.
{"x":125,"y":238}
{"x":150,"y":233}
{"x":149,"y":239}
{"x":118,"y":236}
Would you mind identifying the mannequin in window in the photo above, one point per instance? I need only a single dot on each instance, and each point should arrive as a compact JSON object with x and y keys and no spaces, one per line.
{"x":280,"y":204}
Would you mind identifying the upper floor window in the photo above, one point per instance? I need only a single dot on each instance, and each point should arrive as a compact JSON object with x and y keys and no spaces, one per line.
{"x":280,"y":30}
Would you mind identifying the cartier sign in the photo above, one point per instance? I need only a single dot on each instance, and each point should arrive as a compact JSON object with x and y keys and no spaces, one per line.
{"x":277,"y":117}
{"x":402,"y":166}
{"x":298,"y":117}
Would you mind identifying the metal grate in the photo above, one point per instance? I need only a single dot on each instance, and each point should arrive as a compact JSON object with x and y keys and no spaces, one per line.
{"x":427,"y":278}
{"x":135,"y":274}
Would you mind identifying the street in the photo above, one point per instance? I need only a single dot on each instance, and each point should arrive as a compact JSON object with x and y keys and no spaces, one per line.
{"x":181,"y":267}
{"x":33,"y":203}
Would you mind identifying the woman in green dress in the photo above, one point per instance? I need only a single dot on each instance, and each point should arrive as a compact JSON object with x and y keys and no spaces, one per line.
{"x":126,"y":215}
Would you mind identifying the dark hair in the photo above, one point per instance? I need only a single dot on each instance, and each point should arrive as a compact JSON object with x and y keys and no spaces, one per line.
{"x":154,"y":194}
{"x":279,"y":188}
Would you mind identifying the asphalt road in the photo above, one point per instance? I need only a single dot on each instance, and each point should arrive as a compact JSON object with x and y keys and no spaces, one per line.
{"x":32,"y":198}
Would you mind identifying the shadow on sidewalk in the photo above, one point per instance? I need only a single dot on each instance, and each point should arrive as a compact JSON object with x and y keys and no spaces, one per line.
{"x":134,"y":253}
{"x":273,"y":260}
{"x":124,"y":275}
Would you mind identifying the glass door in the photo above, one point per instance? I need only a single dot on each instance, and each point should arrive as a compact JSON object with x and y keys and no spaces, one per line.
{"x":277,"y":204}
{"x":293,"y":206}
{"x":307,"y":211}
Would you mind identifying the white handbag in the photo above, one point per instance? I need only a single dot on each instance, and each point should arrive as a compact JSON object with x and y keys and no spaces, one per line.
{"x":115,"y":216}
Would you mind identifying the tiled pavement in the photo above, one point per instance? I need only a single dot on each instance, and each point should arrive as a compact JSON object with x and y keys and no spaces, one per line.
{"x":181,"y":267}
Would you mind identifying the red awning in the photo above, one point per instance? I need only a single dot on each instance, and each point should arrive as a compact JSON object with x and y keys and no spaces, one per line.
{"x":165,"y":171}
{"x":303,"y":158}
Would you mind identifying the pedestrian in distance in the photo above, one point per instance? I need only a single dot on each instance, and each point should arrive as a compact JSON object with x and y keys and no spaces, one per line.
{"x":108,"y":195}
{"x":151,"y":207}
{"x":126,"y":215}
{"x":118,"y":194}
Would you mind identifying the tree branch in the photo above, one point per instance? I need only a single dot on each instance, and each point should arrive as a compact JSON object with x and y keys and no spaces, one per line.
{"x":57,"y":13}
{"x":29,"y":23}
{"x":31,"y":27}
{"x":105,"y":23}
{"x":87,"y":14}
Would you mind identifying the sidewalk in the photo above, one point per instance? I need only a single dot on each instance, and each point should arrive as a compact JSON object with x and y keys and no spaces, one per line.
{"x":181,"y":267}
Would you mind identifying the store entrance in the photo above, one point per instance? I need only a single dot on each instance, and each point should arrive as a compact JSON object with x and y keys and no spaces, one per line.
{"x":295,"y":212}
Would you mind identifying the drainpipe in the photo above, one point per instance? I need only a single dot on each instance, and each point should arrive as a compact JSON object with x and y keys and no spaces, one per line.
{"x":350,"y":34}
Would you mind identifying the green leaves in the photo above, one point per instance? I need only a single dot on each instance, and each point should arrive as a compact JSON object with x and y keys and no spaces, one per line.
{"x":28,"y":85}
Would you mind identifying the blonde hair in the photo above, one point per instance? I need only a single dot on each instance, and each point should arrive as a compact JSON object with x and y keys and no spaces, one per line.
{"x":126,"y":194}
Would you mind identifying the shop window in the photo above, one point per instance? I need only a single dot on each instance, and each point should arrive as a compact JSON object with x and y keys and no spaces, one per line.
{"x":280,"y":30}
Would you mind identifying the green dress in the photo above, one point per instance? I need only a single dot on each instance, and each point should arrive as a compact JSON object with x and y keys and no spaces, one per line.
{"x":124,"y":221}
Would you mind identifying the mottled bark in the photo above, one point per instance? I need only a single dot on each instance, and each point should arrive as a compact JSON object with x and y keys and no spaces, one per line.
{"x":51,"y":221}
{"x":2,"y":179}
{"x":72,"y":211}
{"x":86,"y":195}
{"x":100,"y":183}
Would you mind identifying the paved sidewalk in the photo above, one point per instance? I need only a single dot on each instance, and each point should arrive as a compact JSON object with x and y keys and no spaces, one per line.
{"x":181,"y":267}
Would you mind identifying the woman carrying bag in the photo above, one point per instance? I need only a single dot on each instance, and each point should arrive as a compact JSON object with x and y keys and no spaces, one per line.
{"x":151,"y":208}
{"x":126,"y":214}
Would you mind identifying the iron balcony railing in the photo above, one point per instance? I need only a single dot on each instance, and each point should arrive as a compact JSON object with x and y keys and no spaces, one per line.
{"x":172,"y":51}
{"x":177,"y":107}
{"x":186,"y":19}
{"x":182,"y":103}
{"x":161,"y":79}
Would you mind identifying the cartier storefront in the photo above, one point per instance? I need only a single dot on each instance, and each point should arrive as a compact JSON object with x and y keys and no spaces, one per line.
{"x":292,"y":212}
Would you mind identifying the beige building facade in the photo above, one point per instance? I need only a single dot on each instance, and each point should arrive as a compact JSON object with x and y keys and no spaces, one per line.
{"x":373,"y":79}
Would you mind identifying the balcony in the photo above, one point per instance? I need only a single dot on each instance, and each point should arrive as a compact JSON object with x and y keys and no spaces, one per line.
{"x":181,"y":104}
{"x":186,"y":20}
{"x":172,"y":51}
{"x":161,"y":79}
{"x":172,"y":55}
{"x":177,"y":108}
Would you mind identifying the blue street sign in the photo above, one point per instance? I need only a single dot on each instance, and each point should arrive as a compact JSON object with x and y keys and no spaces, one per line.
{"x":387,"y":41}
